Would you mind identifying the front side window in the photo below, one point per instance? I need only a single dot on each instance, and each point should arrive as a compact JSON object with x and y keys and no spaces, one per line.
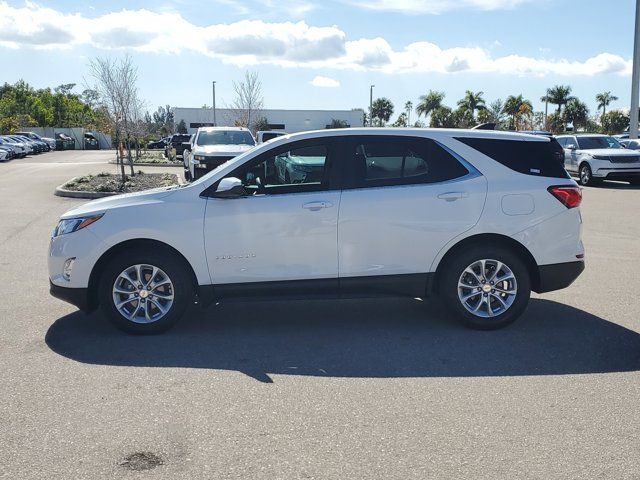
{"x":386,"y":161}
{"x":298,"y":167}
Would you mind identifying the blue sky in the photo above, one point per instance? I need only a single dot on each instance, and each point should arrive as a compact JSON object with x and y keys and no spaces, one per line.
{"x":404,"y":47}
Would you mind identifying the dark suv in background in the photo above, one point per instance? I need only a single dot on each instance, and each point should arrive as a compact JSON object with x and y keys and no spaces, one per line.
{"x":179,"y":142}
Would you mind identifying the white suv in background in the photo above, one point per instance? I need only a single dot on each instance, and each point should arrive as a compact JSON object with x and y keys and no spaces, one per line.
{"x":210,"y":147}
{"x":594,"y":158}
{"x":478,"y":218}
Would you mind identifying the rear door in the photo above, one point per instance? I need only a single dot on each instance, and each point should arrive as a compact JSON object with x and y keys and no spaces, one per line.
{"x":404,"y":199}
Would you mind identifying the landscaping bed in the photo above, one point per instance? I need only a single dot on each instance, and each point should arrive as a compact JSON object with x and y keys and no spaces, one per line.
{"x":152,"y":158}
{"x":106,"y":184}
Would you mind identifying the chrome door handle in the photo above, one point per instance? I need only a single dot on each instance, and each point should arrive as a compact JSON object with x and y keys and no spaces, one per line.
{"x":313,"y":206}
{"x":452,"y":196}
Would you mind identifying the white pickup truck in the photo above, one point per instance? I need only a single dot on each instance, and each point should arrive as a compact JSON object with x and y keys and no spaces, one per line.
{"x":210,"y":147}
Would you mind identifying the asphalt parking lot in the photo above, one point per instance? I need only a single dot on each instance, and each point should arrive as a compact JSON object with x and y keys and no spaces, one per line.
{"x":326,"y":390}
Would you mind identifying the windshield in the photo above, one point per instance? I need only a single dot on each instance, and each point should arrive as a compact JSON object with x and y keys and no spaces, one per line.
{"x":591,"y":143}
{"x":225,"y":137}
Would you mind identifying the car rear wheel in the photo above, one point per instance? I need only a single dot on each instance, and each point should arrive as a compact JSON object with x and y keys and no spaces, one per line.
{"x":486,"y":287}
{"x":145,"y":292}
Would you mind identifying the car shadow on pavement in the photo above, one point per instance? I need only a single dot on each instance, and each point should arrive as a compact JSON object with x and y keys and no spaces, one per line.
{"x":350,"y":338}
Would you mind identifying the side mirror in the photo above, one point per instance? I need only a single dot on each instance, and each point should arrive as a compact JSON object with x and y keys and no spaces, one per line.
{"x":571,"y":146}
{"x":230,"y":188}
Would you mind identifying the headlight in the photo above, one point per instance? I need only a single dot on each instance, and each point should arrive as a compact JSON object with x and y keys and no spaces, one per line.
{"x":199,"y":157}
{"x":601,"y":157}
{"x":70,"y":225}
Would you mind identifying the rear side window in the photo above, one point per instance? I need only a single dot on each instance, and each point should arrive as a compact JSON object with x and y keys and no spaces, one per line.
{"x":385,"y":161}
{"x":542,"y":159}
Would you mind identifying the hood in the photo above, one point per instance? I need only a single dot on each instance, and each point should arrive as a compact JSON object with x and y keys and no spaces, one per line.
{"x":222,"y":149}
{"x":612,"y":152}
{"x":121,"y":201}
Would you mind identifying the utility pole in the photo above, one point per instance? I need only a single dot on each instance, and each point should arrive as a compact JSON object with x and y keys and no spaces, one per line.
{"x":635,"y":78}
{"x":371,"y":104}
{"x":215,"y":124}
{"x":546,"y":110}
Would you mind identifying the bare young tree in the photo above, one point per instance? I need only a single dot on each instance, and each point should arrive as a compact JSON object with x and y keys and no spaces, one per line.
{"x":248,"y":100}
{"x":118,"y":93}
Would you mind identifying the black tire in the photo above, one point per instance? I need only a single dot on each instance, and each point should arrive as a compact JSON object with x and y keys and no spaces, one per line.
{"x":454,"y":268}
{"x":635,"y":182}
{"x":168,"y":262}
{"x":585,"y":176}
{"x":197,"y":173}
{"x":187,"y":175}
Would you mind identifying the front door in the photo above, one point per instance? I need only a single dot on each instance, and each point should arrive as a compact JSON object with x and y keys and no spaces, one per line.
{"x":285,"y":229}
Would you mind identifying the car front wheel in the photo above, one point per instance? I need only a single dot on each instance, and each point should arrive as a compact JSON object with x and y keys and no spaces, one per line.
{"x":585,"y":176}
{"x":145,"y":292}
{"x":486,"y":288}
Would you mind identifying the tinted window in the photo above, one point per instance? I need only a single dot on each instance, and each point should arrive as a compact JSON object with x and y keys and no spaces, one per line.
{"x":562,"y":141}
{"x":287,"y":169}
{"x":269,"y":135}
{"x":590,"y":143}
{"x":225,"y":137}
{"x":529,"y":157}
{"x":400,"y":161}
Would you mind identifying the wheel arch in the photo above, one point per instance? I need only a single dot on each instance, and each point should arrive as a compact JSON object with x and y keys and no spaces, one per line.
{"x":99,"y":266}
{"x":492,"y":239}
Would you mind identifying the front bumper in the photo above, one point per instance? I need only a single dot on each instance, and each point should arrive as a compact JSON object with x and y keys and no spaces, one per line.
{"x":75,"y":296}
{"x":617,"y":172}
{"x":558,"y":275}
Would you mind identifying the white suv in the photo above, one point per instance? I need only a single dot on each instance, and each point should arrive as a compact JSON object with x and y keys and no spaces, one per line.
{"x":479,"y":218}
{"x":210,"y":147}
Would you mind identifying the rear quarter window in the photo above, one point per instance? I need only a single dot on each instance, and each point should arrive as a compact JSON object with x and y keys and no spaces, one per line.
{"x":537,"y":158}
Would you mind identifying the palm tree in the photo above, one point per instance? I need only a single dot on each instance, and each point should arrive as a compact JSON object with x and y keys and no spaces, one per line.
{"x":559,"y":95}
{"x":382,"y":109}
{"x":472,"y":102}
{"x":516,"y":107}
{"x":604,"y":99}
{"x":429,"y":102}
{"x":576,"y":112}
{"x":408,"y":107}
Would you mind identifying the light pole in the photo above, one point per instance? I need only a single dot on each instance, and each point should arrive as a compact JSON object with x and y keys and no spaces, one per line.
{"x":371,"y":105}
{"x":215,"y":124}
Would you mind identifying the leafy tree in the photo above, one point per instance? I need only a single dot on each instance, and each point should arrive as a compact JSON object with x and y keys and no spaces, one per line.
{"x":401,"y":121}
{"x":614,"y":121}
{"x":382,"y":109}
{"x":429,"y":102}
{"x":577,"y":113}
{"x":335,"y":123}
{"x":461,"y":117}
{"x":182,"y":127}
{"x":441,"y":117}
{"x":470,"y":103}
{"x":604,"y":99}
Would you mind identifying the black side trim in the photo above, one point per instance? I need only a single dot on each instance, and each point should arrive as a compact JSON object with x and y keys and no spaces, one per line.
{"x":409,"y":285}
{"x":558,"y":276}
{"x":75,"y":296}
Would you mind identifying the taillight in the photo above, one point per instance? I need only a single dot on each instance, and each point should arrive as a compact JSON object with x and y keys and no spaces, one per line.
{"x":568,"y":195}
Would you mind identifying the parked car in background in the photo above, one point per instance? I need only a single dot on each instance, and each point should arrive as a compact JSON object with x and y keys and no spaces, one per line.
{"x":595,"y":157}
{"x":51,"y":143}
{"x":213,"y":146}
{"x":28,"y":148}
{"x":158,"y":144}
{"x":91,"y":142}
{"x":630,"y":144}
{"x":65,"y":142}
{"x":38,"y":145}
{"x":5,"y":154}
{"x":478,"y":218}
{"x":177,"y":142}
{"x":19,"y":150}
{"x":266,"y":135}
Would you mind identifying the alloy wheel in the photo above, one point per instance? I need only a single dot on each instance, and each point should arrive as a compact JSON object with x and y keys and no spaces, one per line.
{"x":487,"y":288}
{"x":143,"y":293}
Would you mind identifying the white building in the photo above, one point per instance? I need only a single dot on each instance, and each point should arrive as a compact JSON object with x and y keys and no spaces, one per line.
{"x":289,"y":120}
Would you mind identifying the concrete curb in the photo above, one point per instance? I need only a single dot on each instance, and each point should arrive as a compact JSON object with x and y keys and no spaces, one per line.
{"x":151,"y":164}
{"x":63,"y":192}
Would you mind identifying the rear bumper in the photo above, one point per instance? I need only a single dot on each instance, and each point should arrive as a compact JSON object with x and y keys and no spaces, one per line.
{"x":558,"y":276}
{"x":75,"y":296}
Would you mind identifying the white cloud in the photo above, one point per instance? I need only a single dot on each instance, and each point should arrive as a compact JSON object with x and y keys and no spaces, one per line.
{"x":287,"y":44}
{"x":435,"y":7}
{"x":320,"y":81}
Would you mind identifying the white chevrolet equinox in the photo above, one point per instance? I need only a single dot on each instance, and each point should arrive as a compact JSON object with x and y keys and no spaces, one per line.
{"x":478,"y":218}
